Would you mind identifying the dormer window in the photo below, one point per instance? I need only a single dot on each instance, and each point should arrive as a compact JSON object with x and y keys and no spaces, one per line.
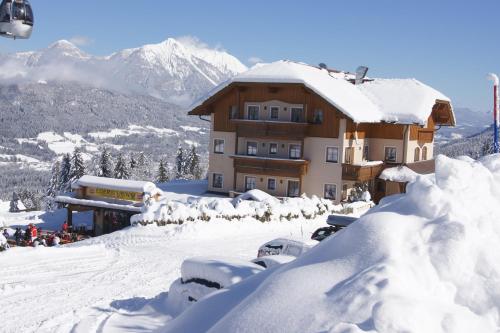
{"x":253,"y":112}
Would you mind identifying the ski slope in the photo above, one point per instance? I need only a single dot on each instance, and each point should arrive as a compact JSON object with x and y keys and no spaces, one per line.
{"x":118,"y":282}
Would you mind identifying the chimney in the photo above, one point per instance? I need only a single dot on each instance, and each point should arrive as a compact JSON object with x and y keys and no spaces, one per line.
{"x":360,"y":74}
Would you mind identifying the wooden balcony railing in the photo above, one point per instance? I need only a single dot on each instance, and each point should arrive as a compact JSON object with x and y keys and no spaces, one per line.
{"x":361,"y":173}
{"x":271,"y":167}
{"x":271,"y":129}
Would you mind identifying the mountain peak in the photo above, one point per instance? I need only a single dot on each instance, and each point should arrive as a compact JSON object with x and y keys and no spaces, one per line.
{"x":63,"y":44}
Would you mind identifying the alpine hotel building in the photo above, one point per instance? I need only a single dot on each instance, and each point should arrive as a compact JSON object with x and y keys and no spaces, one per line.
{"x":289,"y":128}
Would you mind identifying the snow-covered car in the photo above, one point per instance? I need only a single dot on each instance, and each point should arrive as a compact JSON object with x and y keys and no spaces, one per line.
{"x":335,"y":224}
{"x":201,"y":276}
{"x":283,"y":246}
{"x":272,"y":261}
{"x":324,"y":232}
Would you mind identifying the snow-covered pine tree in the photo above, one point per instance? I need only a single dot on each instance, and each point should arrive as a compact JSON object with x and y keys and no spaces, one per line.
{"x":105,"y":164}
{"x":143,"y":168}
{"x":180,"y":164}
{"x":162,"y":176}
{"x":133,"y":162}
{"x":65,"y":176}
{"x":121,"y":168}
{"x":53,"y":188}
{"x":77,"y":165}
{"x":14,"y":203}
{"x":193,"y":163}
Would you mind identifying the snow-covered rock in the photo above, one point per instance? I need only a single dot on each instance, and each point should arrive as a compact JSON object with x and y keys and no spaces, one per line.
{"x":425,"y":261}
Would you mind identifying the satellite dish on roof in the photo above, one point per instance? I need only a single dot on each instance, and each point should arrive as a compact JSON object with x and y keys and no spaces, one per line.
{"x":360,"y":74}
{"x":323,"y":65}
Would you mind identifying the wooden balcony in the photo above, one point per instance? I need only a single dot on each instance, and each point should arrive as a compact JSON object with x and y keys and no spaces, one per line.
{"x":271,"y":129}
{"x":269,"y":166}
{"x":361,"y":173}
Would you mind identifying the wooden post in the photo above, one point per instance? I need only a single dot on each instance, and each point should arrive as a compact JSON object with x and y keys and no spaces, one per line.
{"x":69,"y":220}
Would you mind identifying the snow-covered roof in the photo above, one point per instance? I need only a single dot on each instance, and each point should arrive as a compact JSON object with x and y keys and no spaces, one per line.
{"x":399,"y":174}
{"x":97,"y":203}
{"x":392,"y":100}
{"x":115,"y":184}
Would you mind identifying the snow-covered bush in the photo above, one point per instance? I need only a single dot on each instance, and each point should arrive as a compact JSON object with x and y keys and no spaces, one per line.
{"x":207,"y":209}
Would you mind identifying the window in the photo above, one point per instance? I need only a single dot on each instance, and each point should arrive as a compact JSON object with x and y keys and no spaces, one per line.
{"x":297,"y":115}
{"x":251,"y":148}
{"x":275,"y":111}
{"x":293,"y":188}
{"x":219,"y":146}
{"x":295,"y":152}
{"x":318,"y":116}
{"x":217,"y":180}
{"x":271,"y":184}
{"x":233,"y":112}
{"x":253,"y":112}
{"x":390,"y":154}
{"x":416,"y":158}
{"x":332,"y":154}
{"x":424,"y":153}
{"x":273,"y":148}
{"x":250,"y":183}
{"x":330,"y":191}
{"x":365,"y":153}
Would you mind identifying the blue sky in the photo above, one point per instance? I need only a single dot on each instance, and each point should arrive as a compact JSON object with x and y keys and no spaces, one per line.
{"x":450,"y":45}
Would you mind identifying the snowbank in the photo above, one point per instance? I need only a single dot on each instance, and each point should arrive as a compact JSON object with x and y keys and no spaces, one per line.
{"x":425,"y":261}
{"x":210,"y":208}
{"x":400,"y":174}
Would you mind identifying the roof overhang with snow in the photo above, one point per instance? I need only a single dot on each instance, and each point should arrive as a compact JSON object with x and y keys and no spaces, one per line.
{"x":402,"y":101}
{"x":115,"y":184}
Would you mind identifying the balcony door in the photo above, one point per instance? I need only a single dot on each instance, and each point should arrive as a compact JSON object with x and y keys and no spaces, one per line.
{"x":293,"y":188}
{"x":297,"y":115}
{"x":349,"y":155}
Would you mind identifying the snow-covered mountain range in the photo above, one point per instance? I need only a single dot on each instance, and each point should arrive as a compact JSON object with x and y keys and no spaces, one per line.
{"x":176,"y":70}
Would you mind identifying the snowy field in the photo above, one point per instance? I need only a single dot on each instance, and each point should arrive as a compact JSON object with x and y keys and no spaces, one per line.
{"x":117,"y":282}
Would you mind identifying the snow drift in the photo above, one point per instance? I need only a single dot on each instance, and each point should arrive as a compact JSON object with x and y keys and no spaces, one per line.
{"x":427,"y":261}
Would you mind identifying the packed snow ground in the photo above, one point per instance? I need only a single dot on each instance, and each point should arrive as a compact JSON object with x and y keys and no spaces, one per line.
{"x":118,"y":282}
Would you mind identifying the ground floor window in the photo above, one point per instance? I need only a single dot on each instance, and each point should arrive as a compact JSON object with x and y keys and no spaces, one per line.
{"x":271,"y":184}
{"x":217,"y":180}
{"x":330,"y":191}
{"x":293,"y":188}
{"x":250,"y":183}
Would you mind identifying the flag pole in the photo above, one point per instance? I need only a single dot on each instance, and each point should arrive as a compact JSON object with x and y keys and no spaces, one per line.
{"x":494,"y":78}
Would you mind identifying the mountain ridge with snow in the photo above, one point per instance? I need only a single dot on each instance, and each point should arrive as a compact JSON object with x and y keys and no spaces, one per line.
{"x":175,"y":70}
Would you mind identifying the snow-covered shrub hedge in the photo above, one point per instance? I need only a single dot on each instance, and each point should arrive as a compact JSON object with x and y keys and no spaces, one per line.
{"x":207,"y":209}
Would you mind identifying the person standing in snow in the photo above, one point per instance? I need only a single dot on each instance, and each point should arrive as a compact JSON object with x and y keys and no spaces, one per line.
{"x":65,"y":227}
{"x":18,"y":235}
{"x":6,"y":234}
{"x":3,"y":243}
{"x":27,"y":234}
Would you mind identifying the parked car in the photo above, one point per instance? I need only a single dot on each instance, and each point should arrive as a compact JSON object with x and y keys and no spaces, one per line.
{"x":283,"y":246}
{"x":202,"y":276}
{"x":336,"y":223}
{"x":272,"y":261}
